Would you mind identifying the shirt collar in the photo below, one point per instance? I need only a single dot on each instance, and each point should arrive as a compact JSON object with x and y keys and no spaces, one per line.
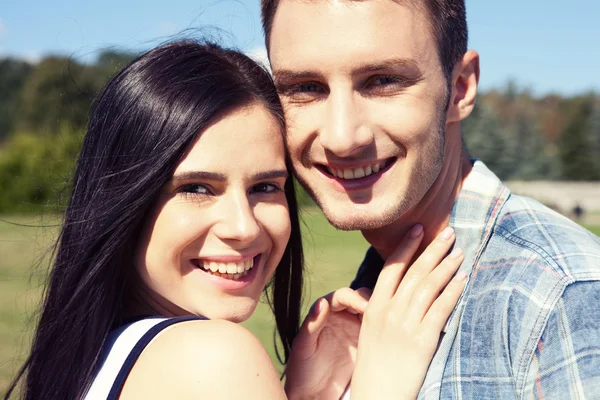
{"x":473,"y":217}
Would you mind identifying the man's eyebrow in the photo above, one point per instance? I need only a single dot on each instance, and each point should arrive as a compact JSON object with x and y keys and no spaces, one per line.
{"x":286,"y":75}
{"x":387,"y":64}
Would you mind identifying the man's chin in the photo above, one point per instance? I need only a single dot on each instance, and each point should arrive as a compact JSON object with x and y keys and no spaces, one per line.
{"x":358,"y":220}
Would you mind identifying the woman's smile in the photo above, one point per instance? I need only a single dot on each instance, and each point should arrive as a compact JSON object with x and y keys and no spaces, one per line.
{"x":228,"y":275}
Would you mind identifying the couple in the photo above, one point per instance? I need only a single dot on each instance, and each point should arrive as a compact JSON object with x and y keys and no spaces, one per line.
{"x":182,"y":209}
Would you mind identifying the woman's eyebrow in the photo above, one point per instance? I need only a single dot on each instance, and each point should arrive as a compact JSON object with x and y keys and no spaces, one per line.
{"x":274,"y":174}
{"x":199,"y":175}
{"x":215,"y":176}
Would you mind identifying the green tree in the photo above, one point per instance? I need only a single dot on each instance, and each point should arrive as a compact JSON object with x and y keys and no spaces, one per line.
{"x":576,"y":143}
{"x":534,"y":160}
{"x":35,"y":171}
{"x":110,"y":61}
{"x":486,"y":139}
{"x":13,"y":74}
{"x":59,"y":91}
{"x":593,"y":133}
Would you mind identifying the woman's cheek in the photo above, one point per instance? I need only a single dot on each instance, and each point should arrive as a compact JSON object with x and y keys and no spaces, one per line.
{"x":275,"y":219}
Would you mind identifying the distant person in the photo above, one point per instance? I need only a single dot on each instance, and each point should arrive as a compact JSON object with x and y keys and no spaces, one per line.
{"x":578,"y":212}
{"x":374,"y":93}
{"x":182,"y":212}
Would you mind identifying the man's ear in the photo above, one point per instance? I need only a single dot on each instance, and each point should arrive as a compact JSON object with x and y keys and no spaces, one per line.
{"x":465,"y":79}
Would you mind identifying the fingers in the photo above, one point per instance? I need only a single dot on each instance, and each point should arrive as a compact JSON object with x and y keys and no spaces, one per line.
{"x":346,"y":299}
{"x":395,"y":266}
{"x":312,"y":326}
{"x":442,"y":307}
{"x":429,"y":289}
{"x":422,"y":267}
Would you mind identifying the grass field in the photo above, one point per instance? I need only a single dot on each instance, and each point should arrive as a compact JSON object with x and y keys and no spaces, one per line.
{"x":331,"y":258}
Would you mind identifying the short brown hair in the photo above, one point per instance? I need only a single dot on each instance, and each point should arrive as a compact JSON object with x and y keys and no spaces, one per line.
{"x":448,"y":20}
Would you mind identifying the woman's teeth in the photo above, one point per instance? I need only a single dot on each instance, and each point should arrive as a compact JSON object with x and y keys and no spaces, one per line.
{"x":228,"y":270}
{"x":357,"y":173}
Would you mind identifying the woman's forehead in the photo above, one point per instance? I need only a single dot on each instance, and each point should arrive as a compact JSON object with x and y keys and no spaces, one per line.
{"x":246,"y":139}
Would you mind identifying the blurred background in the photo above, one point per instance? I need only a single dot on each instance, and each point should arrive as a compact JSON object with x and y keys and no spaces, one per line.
{"x":536,"y":123}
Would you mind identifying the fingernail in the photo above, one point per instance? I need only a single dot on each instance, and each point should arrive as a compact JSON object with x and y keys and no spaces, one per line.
{"x":461,"y":276}
{"x":446,"y":233}
{"x":416,"y":231}
{"x":456,"y":253}
{"x":318,"y":306}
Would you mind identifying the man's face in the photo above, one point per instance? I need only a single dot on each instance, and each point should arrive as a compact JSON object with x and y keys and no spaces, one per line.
{"x":364,"y":97}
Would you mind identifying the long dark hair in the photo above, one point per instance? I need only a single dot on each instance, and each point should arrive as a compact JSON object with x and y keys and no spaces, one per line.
{"x":140,"y":127}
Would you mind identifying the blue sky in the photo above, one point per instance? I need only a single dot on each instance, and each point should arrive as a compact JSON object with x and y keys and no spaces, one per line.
{"x":546,"y":45}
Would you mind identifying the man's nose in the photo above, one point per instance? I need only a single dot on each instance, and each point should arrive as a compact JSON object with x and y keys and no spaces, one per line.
{"x":344,"y":132}
{"x":237,"y":221}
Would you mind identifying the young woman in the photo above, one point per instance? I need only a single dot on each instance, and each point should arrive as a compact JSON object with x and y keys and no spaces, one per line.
{"x":182,"y":212}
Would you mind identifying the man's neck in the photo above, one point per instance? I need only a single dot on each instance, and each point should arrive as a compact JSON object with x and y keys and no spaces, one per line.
{"x":434,"y":209}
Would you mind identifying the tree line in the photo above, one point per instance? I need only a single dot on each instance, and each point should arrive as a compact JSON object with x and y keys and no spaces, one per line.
{"x":44,"y":110}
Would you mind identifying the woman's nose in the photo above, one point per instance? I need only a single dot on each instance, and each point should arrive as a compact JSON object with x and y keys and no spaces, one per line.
{"x":237,"y":221}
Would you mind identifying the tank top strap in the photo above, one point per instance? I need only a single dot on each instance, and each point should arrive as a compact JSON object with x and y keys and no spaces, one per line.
{"x":122,"y":349}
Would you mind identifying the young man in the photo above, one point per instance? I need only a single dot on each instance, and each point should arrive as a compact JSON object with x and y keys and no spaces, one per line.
{"x":374,"y":92}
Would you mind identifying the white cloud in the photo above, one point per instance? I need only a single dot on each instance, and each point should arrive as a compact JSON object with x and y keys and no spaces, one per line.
{"x":31,"y":57}
{"x":259,"y":55}
{"x":2,"y":28}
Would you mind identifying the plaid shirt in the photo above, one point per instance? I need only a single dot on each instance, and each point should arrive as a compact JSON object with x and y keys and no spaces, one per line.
{"x":528,"y":323}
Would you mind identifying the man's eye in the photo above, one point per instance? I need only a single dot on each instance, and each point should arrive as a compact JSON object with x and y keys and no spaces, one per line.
{"x":265,"y":188}
{"x":307,"y":88}
{"x":302,"y":92}
{"x":385,"y":80}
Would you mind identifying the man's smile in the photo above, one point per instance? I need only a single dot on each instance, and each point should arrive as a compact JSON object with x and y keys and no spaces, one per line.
{"x":355,"y":177}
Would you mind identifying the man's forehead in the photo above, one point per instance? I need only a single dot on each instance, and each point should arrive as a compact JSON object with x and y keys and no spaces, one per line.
{"x":407,"y":3}
{"x":335,"y":34}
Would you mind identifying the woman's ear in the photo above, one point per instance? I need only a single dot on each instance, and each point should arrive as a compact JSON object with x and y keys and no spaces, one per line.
{"x":465,"y":79}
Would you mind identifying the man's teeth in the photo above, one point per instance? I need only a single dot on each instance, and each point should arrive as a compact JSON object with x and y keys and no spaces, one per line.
{"x":357,"y":173}
{"x":229,"y":270}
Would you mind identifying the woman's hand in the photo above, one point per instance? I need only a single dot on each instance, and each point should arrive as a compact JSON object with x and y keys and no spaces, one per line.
{"x":405,"y":315}
{"x":324,"y":352}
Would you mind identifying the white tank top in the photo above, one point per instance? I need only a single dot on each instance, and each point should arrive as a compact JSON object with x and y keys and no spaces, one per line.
{"x":122,"y":348}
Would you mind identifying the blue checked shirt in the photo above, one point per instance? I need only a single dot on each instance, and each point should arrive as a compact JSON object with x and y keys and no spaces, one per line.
{"x":528,"y":323}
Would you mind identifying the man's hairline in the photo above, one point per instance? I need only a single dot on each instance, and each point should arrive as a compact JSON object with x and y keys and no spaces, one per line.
{"x":408,"y":3}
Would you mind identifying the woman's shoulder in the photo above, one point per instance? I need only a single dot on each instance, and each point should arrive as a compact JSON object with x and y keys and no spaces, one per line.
{"x":213,"y":358}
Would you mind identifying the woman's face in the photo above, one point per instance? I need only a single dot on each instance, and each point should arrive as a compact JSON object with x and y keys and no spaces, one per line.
{"x":221,"y":224}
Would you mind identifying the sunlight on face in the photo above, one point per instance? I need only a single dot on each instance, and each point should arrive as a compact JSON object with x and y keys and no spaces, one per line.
{"x":221,"y":225}
{"x":364,"y":96}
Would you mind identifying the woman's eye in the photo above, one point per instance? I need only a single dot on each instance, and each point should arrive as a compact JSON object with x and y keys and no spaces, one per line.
{"x":265,"y":188}
{"x":193,"y":189}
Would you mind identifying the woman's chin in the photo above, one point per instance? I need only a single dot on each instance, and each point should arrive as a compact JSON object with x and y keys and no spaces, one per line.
{"x":237,"y":313}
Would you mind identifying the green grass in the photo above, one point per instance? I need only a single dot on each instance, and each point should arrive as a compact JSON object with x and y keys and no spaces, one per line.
{"x":594,"y":229}
{"x":331,"y":260}
{"x":23,"y":244}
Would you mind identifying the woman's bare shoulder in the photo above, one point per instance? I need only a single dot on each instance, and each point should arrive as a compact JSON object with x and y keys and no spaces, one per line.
{"x":217,"y":359}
